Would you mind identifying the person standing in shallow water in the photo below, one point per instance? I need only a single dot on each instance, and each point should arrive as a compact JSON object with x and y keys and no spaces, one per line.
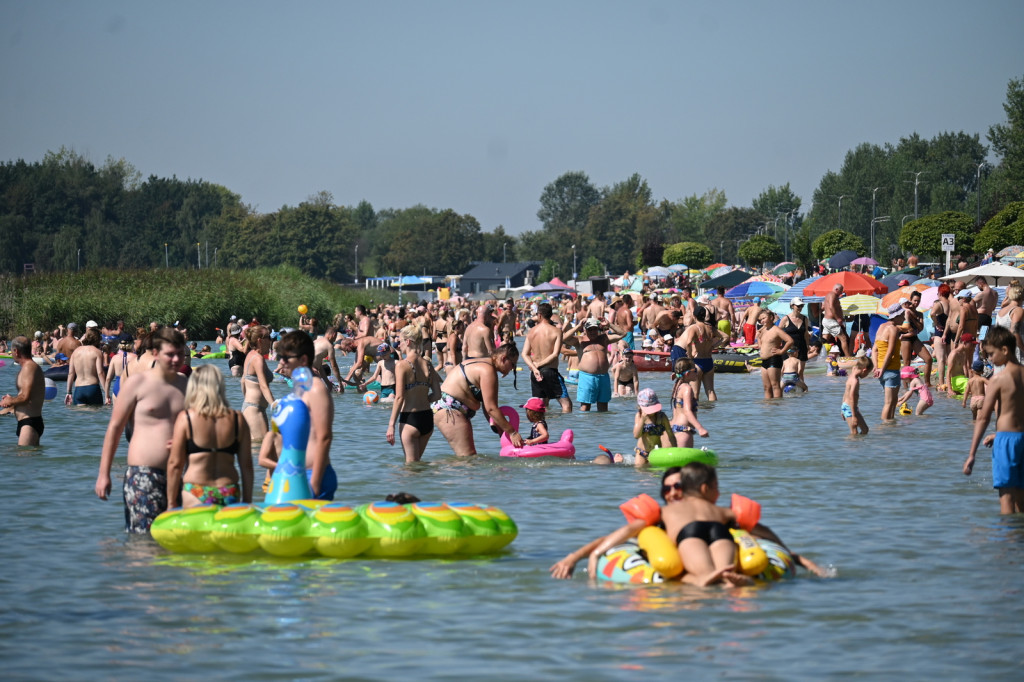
{"x":28,"y":403}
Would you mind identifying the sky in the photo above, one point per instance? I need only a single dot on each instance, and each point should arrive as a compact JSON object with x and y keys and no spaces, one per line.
{"x":477,"y":105}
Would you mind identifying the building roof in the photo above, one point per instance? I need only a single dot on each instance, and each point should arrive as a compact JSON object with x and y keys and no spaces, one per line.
{"x":491,"y":271}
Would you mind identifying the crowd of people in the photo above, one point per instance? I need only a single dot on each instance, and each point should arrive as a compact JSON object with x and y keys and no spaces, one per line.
{"x":439,"y":364}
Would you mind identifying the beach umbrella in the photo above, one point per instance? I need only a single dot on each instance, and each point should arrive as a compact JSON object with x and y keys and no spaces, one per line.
{"x":859,"y":304}
{"x":798,"y":290}
{"x":766,"y":278}
{"x":864,"y":260}
{"x":902,"y":292}
{"x":749,"y":289}
{"x":727,"y":280}
{"x":926,"y":280}
{"x":853,"y":283}
{"x":658,"y":271}
{"x":992,"y":271}
{"x":893,"y":281}
{"x":841,"y":259}
{"x":784,"y":268}
{"x":719,"y":271}
{"x":679,"y":267}
{"x":1010,"y":252}
{"x":715,"y":266}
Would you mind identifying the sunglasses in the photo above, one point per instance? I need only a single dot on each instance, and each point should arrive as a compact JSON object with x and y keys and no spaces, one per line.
{"x":666,"y":489}
{"x":281,"y":357}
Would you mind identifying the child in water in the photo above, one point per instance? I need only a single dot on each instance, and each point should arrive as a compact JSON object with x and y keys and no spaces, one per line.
{"x":959,"y":362}
{"x":538,"y":427}
{"x":791,"y":372}
{"x":701,"y":529}
{"x":850,"y":410}
{"x":651,"y":427}
{"x":976,"y":385}
{"x":924,"y":393}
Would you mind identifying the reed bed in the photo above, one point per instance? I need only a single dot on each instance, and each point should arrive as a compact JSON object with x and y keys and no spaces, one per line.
{"x":201,"y":300}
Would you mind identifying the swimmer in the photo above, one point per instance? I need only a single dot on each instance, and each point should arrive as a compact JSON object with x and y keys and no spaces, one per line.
{"x":791,"y":371}
{"x":416,"y":385}
{"x":624,"y":375}
{"x":85,"y":371}
{"x":651,"y":427}
{"x":384,"y":373}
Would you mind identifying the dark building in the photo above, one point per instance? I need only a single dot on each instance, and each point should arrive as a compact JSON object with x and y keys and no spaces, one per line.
{"x":487,"y":276}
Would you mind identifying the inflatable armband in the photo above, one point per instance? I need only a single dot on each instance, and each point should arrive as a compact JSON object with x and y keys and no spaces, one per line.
{"x":747,"y":511}
{"x":751,"y":558}
{"x":643,"y":508}
{"x":662,"y":555}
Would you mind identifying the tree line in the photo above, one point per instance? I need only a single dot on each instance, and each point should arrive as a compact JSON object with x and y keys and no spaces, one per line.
{"x":65,"y":213}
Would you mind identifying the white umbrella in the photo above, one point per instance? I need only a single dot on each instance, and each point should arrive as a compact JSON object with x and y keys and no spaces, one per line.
{"x":993,"y":271}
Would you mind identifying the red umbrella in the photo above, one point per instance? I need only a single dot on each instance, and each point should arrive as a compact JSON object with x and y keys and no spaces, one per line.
{"x":853,"y":283}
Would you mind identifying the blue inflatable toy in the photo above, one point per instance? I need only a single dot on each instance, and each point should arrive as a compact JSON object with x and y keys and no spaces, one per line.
{"x":291,"y":419}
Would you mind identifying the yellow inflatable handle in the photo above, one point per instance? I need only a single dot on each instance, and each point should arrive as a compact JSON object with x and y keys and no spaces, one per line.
{"x":752,"y":559}
{"x":662,"y":555}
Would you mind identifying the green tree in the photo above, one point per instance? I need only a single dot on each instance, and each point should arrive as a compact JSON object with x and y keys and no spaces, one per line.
{"x":924,"y":235}
{"x":689,"y":217}
{"x":1006,"y":228}
{"x":565,"y":206}
{"x":728,"y":229}
{"x":592,"y":268}
{"x":1008,"y":140}
{"x":548,"y":270}
{"x":625,"y":222}
{"x":693,"y":254}
{"x":834,"y":241}
{"x":761,"y":249}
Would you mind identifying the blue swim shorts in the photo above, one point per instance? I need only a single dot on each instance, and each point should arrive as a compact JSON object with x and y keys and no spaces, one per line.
{"x":890,"y":378}
{"x":846,"y":411}
{"x":677,"y":353}
{"x":1008,"y":460}
{"x":594,"y":388}
{"x":328,"y":483}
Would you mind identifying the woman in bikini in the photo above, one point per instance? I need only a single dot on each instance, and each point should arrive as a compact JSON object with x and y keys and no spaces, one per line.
{"x":416,"y":385}
{"x":469,"y":386}
{"x":940,"y":313}
{"x":684,"y":405}
{"x":698,"y":339}
{"x":119,"y":369}
{"x":208,"y":437}
{"x":256,"y":377}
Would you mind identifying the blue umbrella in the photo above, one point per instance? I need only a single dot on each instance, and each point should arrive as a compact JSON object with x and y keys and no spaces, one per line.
{"x":798,"y":290}
{"x":842,"y":259}
{"x":750,"y":289}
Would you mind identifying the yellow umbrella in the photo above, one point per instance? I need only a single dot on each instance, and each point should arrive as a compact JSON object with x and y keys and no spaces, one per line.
{"x":859,"y":304}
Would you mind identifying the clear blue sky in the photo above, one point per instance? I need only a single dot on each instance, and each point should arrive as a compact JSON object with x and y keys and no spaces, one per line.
{"x":477,"y":105}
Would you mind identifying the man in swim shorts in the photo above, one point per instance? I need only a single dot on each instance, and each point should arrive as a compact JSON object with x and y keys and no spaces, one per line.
{"x":541,"y":351}
{"x":724,"y":313}
{"x":85,"y":370}
{"x":832,"y":321}
{"x":152,"y":399}
{"x":595,"y":385}
{"x":28,"y":403}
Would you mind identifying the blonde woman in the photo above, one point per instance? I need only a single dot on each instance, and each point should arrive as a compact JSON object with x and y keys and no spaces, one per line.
{"x":209,"y":437}
{"x":416,"y":385}
{"x":1010,"y":315}
{"x":256,"y":378}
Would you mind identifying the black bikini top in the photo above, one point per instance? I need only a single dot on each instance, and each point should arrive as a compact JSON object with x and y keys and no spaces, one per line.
{"x":191,"y":448}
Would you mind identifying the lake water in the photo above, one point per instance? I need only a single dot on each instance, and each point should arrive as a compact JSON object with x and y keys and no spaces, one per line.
{"x":929,"y":576}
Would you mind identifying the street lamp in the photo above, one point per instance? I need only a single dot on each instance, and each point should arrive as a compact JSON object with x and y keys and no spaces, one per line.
{"x":917,"y":180}
{"x":79,"y":259}
{"x":504,"y":258}
{"x":904,"y":221}
{"x":841,"y":197}
{"x":357,"y":263}
{"x":980,"y":165}
{"x":199,"y":256}
{"x":875,"y":221}
{"x":574,"y":262}
{"x":167,"y":262}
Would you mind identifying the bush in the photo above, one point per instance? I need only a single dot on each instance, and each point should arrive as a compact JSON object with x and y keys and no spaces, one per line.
{"x":1006,"y":228}
{"x":834,"y":241}
{"x":761,"y":249}
{"x":693,"y":254}
{"x":924,"y":235}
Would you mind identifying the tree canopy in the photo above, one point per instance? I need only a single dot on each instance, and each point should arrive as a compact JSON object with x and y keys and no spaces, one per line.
{"x":761,"y":249}
{"x":924,"y":235}
{"x":693,"y":254}
{"x":834,"y":241}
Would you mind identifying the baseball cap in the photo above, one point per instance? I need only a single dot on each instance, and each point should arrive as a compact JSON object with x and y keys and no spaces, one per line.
{"x":978,"y":366}
{"x":966,"y":293}
{"x":383,"y":348}
{"x":90,"y":324}
{"x":904,"y":282}
{"x":233,"y":317}
{"x":592,"y":323}
{"x":39,"y":335}
{"x":797,"y":301}
{"x":535,"y":404}
{"x":647,"y":401}
{"x":72,"y":325}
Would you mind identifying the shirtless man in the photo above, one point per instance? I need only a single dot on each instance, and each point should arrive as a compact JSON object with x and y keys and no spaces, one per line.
{"x":28,"y":404}
{"x":67,"y":343}
{"x":986,"y":303}
{"x":479,"y":339}
{"x":597,"y":308}
{"x":152,"y":398}
{"x":594,"y":383}
{"x":725,"y":314}
{"x":85,"y":369}
{"x":324,"y":349}
{"x":773,"y":344}
{"x":750,"y":316}
{"x":541,"y":351}
{"x":698,"y":340}
{"x":622,"y":318}
{"x":294,"y":350}
{"x":651,"y":313}
{"x":625,"y":379}
{"x":688,"y":305}
{"x":832,"y":322}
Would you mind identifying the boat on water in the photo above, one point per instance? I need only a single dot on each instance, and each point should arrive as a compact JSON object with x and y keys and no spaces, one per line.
{"x":727,"y":361}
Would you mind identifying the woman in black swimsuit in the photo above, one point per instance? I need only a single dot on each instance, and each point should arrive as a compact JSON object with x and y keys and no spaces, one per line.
{"x":208,"y":437}
{"x":795,"y":324}
{"x":416,"y":385}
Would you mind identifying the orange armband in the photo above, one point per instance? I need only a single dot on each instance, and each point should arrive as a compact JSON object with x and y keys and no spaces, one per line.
{"x":747,"y":511}
{"x":642,"y":507}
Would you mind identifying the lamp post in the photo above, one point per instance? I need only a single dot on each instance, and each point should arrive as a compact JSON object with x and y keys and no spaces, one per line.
{"x":841,"y":197}
{"x":167,"y":262}
{"x":904,"y":221}
{"x":917,"y":180}
{"x":79,"y":259}
{"x":980,"y":165}
{"x":875,"y":221}
{"x":199,"y":256}
{"x":504,"y":257}
{"x":357,"y":264}
{"x":574,"y":262}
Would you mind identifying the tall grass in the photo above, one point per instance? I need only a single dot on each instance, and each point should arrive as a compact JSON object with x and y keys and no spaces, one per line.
{"x":200,"y":299}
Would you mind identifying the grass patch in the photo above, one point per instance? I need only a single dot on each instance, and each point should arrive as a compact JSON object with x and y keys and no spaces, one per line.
{"x":200,"y":299}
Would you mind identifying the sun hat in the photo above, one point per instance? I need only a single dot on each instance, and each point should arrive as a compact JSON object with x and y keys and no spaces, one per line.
{"x":647,"y":401}
{"x":895,"y":310}
{"x":535,"y":404}
{"x":648,"y":343}
{"x":908,"y":372}
{"x":667,"y":337}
